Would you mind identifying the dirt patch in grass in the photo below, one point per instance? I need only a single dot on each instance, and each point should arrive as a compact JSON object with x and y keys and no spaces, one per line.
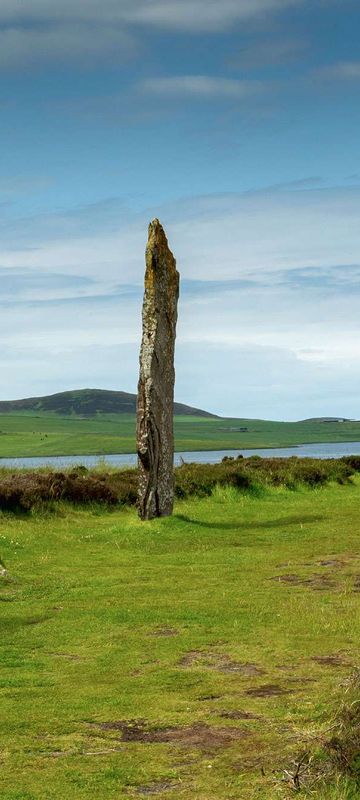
{"x":164,"y":631}
{"x":199,"y":735}
{"x":320,"y":583}
{"x":242,"y":668}
{"x":220,"y":662}
{"x":336,"y":660}
{"x":290,"y":578}
{"x":238,"y":715}
{"x":156,"y":788}
{"x":204,"y":697}
{"x":286,"y":667}
{"x":316,"y":582}
{"x":191,"y":658}
{"x":268,"y":690}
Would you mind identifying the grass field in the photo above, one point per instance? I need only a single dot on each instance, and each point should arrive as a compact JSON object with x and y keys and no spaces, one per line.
{"x":45,"y":435}
{"x":191,"y":657}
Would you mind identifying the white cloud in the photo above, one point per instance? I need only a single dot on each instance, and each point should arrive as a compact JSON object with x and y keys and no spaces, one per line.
{"x":248,"y":234}
{"x":81,"y":30}
{"x":201,"y":86}
{"x":264,"y":382}
{"x":202,"y":15}
{"x":185,"y":14}
{"x":254,"y":233}
{"x":279,"y":328}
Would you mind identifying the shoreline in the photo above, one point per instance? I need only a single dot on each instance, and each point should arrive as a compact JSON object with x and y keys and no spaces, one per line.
{"x":179,"y":452}
{"x":323,"y":450}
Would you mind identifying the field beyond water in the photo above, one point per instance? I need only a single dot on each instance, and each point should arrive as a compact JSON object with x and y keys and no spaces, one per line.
{"x":199,"y":657}
{"x":45,"y":434}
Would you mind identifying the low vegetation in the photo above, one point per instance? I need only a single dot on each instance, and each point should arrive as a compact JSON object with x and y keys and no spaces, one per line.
{"x":212,"y":654}
{"x":23,"y":491}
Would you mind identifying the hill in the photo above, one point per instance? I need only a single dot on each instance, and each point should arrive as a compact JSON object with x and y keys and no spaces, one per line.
{"x":326,"y":420}
{"x":88,"y":403}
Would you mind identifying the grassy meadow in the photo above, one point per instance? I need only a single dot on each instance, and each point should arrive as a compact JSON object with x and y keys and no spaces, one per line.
{"x":197,"y":656}
{"x":25,"y":434}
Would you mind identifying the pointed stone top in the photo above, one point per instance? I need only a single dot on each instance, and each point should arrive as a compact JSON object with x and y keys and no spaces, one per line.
{"x":156,"y":232}
{"x":158,"y":253}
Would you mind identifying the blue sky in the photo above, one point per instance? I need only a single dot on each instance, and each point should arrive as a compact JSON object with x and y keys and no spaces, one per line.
{"x":237,"y":123}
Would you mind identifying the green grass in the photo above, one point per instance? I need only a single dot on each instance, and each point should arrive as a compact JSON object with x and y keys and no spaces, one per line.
{"x":107,"y":619}
{"x":48,"y":434}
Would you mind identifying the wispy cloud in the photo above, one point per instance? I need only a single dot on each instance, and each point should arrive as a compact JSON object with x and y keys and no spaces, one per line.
{"x":258,"y":231}
{"x":63,"y":42}
{"x":43,"y":30}
{"x":312,"y":182}
{"x":258,"y":298}
{"x":23,"y":285}
{"x":202,"y":15}
{"x":24,"y":184}
{"x":336,"y":279}
{"x":201,"y":86}
{"x":186,"y":14}
{"x":343,"y":70}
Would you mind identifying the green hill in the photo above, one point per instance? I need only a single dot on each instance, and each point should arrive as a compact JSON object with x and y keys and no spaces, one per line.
{"x":99,"y":422}
{"x":88,"y":403}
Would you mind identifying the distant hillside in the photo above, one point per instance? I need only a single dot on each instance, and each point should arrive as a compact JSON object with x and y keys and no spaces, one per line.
{"x":88,"y":403}
{"x":327,"y":419}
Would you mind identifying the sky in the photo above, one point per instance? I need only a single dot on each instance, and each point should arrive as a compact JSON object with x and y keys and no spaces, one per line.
{"x":237,"y":124}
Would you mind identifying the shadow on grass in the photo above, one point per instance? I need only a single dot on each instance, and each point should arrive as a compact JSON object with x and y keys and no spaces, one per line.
{"x":283,"y":522}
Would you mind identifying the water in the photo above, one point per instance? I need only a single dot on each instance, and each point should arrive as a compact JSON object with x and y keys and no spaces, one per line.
{"x":328,"y":450}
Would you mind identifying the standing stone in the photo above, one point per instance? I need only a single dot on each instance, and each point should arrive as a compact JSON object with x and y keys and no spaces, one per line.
{"x":154,"y":433}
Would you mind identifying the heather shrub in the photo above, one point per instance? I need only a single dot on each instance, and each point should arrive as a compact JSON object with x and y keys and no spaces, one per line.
{"x":124,"y":484}
{"x":24,"y":491}
{"x":87,"y":489}
{"x":20,"y":492}
{"x":192,"y":479}
{"x":201,"y":479}
{"x":352,"y":461}
{"x":249,"y":474}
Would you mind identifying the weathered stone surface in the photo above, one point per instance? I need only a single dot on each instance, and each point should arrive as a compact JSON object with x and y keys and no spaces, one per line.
{"x":155,"y":439}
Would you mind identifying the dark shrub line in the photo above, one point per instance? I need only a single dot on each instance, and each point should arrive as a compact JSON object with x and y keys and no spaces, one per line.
{"x":252,"y":473}
{"x":24,"y":491}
